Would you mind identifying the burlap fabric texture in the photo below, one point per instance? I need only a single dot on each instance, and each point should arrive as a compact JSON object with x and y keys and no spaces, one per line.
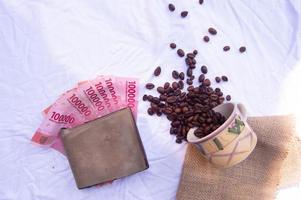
{"x":274,"y":163}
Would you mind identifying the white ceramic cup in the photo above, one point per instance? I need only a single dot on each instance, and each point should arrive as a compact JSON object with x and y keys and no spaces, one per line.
{"x":232,"y":142}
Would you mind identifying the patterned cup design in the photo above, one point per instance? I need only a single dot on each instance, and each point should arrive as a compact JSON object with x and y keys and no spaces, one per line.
{"x":232,"y":144}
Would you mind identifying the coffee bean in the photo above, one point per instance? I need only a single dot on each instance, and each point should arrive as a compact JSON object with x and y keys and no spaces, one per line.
{"x":175,"y":74}
{"x":195,"y":52}
{"x":167,"y":110}
{"x":219,"y":93}
{"x":150,"y":111}
{"x":217,"y":79}
{"x":190,"y":55}
{"x":217,"y":90}
{"x":171,"y":99}
{"x":175,"y":124}
{"x":201,"y":78}
{"x":173,"y":45}
{"x":166,"y":85}
{"x":184,"y":14}
{"x":182,"y":76}
{"x":212,"y":31}
{"x":150,"y":97}
{"x":160,"y":90}
{"x":171,"y":7}
{"x":156,"y":100}
{"x":184,"y":109}
{"x":181,"y":84}
{"x":228,"y":97}
{"x":199,"y":133}
{"x":178,"y":140}
{"x":189,"y":81}
{"x":221,"y":99}
{"x":189,"y":72}
{"x":193,"y":61}
{"x":180,"y":52}
{"x":206,"y":82}
{"x":162,"y":97}
{"x":157,"y":71}
{"x":175,"y":85}
{"x":226,"y":48}
{"x":190,"y":88}
{"x":178,"y":110}
{"x":144,"y":97}
{"x":201,"y":2}
{"x":169,"y":90}
{"x":149,"y":86}
{"x":225,"y":78}
{"x":242,"y":49}
{"x":204,"y":69}
{"x":206,"y":38}
{"x":214,"y":97}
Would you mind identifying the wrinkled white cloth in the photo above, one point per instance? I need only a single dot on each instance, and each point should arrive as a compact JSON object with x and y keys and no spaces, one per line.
{"x":48,"y":46}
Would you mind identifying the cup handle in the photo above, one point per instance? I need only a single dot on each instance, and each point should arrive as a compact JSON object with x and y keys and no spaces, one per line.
{"x":242,"y":109}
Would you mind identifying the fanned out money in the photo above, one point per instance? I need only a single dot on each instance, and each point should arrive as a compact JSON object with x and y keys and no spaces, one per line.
{"x":87,"y":101}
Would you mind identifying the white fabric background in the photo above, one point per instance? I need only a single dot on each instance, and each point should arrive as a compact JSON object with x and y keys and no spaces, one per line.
{"x":48,"y":46}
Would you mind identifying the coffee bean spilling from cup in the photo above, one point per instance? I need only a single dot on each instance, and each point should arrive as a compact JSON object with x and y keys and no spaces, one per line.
{"x":190,"y":108}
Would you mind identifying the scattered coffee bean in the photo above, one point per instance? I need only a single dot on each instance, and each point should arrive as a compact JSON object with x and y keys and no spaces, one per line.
{"x":149,"y":86}
{"x":201,"y":78}
{"x":184,"y":14}
{"x":201,"y":2}
{"x":162,"y":97}
{"x":206,"y":38}
{"x":225,"y":78}
{"x":171,"y":99}
{"x":175,"y":74}
{"x":190,"y":55}
{"x":212,"y":31}
{"x":195,"y":52}
{"x":157,"y":71}
{"x":182,"y":76}
{"x":189,"y":72}
{"x":144,"y":97}
{"x":171,"y":7}
{"x":189,"y":81}
{"x":180,"y":52}
{"x":150,"y":111}
{"x":204,"y":69}
{"x":190,"y":88}
{"x":217,"y":79}
{"x":175,"y":85}
{"x":166,"y":85}
{"x":242,"y":49}
{"x":181,"y":84}
{"x":173,"y":45}
{"x":217,"y":90}
{"x":160,"y":90}
{"x":206,"y":82}
{"x":178,"y":140}
{"x":226,"y":48}
{"x":228,"y":97}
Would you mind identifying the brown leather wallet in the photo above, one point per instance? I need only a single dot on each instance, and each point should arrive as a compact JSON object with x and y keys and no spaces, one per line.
{"x":104,"y":149}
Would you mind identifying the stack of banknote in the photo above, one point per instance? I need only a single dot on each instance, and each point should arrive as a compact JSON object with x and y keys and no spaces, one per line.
{"x":88,"y":100}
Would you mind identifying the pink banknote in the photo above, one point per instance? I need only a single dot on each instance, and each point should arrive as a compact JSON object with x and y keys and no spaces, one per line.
{"x":59,"y":115}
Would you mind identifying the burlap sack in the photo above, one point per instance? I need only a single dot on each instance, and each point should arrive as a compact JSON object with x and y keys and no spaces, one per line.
{"x":274,"y":161}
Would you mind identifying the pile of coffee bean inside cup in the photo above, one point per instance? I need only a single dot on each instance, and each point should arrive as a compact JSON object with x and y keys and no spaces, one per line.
{"x":190,"y":108}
